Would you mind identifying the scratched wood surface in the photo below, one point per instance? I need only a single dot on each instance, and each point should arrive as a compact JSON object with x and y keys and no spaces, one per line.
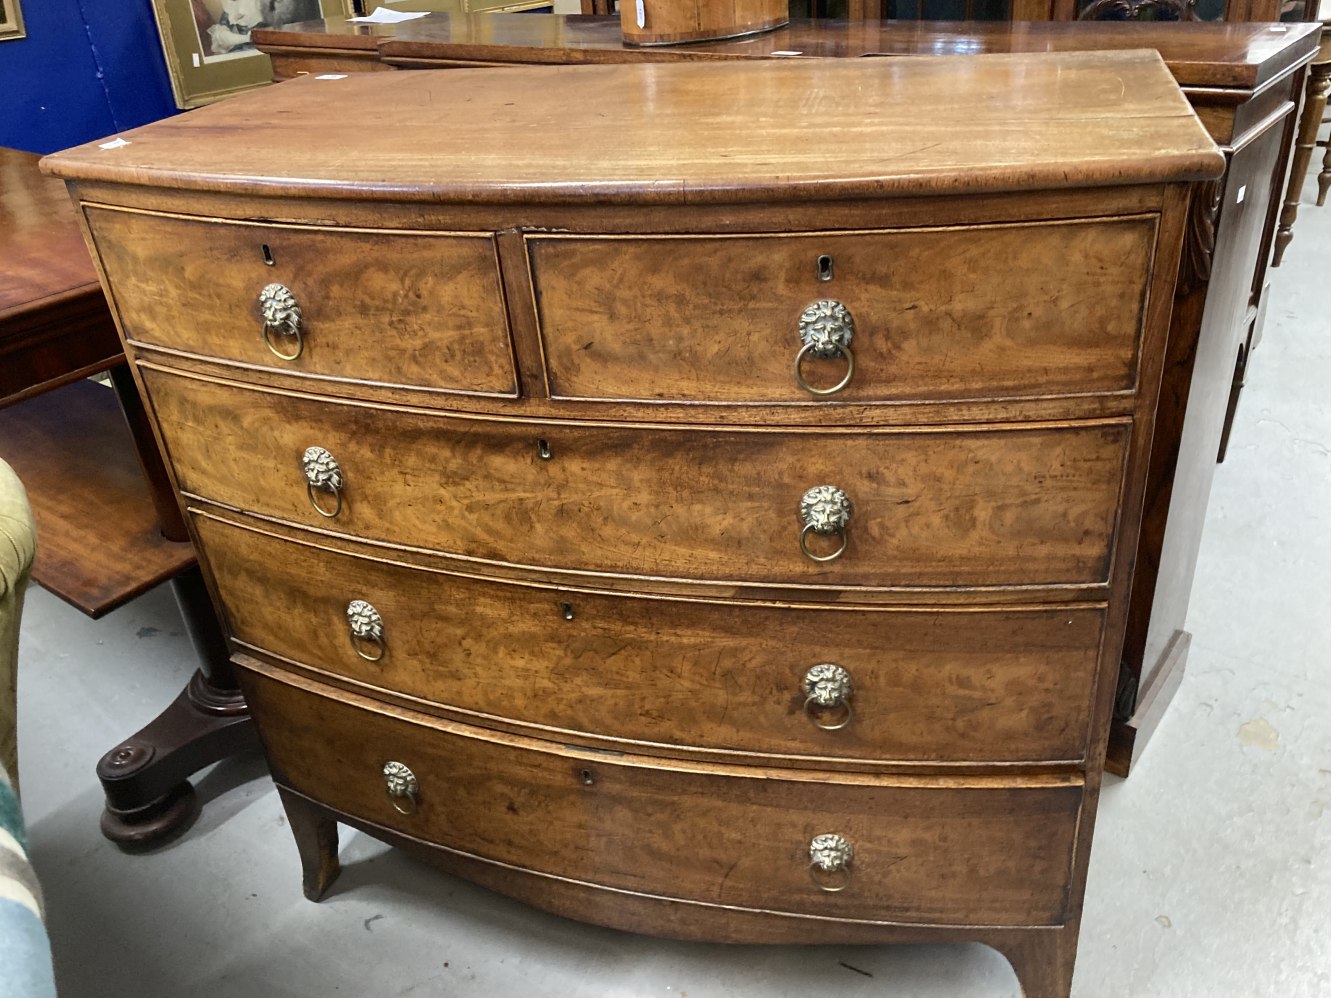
{"x":684,"y":133}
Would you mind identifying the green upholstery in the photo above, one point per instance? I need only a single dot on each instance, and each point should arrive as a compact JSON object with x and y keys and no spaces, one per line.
{"x":18,"y":543}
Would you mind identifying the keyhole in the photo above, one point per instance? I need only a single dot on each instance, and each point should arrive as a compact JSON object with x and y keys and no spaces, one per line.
{"x":566,"y":610}
{"x":824,"y":268}
{"x":587,"y":778}
{"x":268,"y":255}
{"x":543,"y":450}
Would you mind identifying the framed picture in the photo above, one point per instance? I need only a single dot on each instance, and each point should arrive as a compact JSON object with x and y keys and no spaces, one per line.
{"x":207,"y":42}
{"x":11,"y":20}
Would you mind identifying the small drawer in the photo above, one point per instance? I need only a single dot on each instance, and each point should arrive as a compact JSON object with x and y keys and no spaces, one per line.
{"x":942,"y":851}
{"x":927,"y":685}
{"x":1027,"y":504}
{"x":981,"y":312}
{"x":419,"y":309}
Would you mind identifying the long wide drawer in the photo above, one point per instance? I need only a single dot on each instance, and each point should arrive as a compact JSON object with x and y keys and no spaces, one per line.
{"x":922,"y":851}
{"x":1030,"y":504}
{"x":975,"y":312}
{"x":955,"y":685}
{"x":422,"y":309}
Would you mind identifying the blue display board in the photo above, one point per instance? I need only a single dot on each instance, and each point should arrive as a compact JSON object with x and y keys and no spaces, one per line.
{"x":87,"y":69}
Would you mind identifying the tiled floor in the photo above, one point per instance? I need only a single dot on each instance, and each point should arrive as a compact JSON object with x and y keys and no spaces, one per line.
{"x":1209,"y":879}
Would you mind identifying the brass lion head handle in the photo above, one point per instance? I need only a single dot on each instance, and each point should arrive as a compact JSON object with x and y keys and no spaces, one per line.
{"x":402,"y":787}
{"x":826,"y":329}
{"x":828,"y":689}
{"x":322,"y":474}
{"x":830,"y":857}
{"x":367,"y":629}
{"x":825,"y":509}
{"x":281,"y":317}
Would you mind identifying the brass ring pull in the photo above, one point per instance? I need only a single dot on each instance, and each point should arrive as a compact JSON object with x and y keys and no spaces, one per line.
{"x":337,"y":494}
{"x":830,"y":857}
{"x":829,"y":688}
{"x":367,"y":628}
{"x":402,"y":787}
{"x":281,"y":316}
{"x":826,"y":329}
{"x":322,"y":474}
{"x":799,"y":372}
{"x":804,"y":544}
{"x":826,"y":510}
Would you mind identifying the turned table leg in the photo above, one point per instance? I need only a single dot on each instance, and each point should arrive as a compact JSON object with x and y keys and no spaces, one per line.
{"x":315,"y":832}
{"x":1314,"y":106}
{"x":1324,"y":178}
{"x":146,"y":776}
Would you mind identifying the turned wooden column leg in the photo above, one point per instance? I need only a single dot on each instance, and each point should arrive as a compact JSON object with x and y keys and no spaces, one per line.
{"x":1314,"y":106}
{"x":315,"y":832}
{"x":1043,"y":960}
{"x":1324,"y":178}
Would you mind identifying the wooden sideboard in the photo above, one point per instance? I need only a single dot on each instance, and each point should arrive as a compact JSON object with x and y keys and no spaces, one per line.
{"x":1243,"y":80}
{"x":668,"y":520}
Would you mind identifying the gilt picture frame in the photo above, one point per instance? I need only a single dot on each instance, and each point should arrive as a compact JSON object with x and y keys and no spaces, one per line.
{"x":208,"y":52}
{"x":11,"y":20}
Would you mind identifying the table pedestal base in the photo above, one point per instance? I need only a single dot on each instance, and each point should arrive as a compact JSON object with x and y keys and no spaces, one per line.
{"x":146,"y":777}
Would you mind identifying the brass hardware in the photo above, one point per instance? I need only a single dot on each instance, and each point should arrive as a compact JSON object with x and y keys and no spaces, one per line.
{"x":824,"y":268}
{"x":566,"y":610}
{"x":543,"y":450}
{"x":367,"y":627}
{"x":825,"y":509}
{"x":322,"y":473}
{"x":830,"y":857}
{"x":401,"y":785}
{"x":826,"y":329}
{"x":828,"y":688}
{"x":281,"y":316}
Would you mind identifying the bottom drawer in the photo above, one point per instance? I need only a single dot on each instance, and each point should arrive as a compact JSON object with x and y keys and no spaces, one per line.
{"x":936,"y":851}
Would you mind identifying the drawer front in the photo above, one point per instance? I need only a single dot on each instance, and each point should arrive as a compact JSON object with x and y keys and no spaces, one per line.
{"x":1003,"y":311}
{"x":927,"y":685}
{"x":1023,"y":505}
{"x":937,"y":852}
{"x":402,"y":308}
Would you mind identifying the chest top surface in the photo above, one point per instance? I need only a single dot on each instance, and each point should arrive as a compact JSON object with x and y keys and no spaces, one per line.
{"x":682,"y":133}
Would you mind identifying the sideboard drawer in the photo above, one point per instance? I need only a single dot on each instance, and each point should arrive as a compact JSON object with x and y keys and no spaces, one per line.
{"x":1027,"y":504}
{"x":422,"y":309}
{"x":916,"y":685}
{"x":934,"y":851}
{"x":998,"y":311}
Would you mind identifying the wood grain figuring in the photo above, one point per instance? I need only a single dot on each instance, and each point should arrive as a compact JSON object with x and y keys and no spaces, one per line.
{"x":42,"y":260}
{"x":1025,"y":505}
{"x":99,"y":540}
{"x":926,"y":851}
{"x":684,"y":133}
{"x":395,"y":307}
{"x":668,"y":22}
{"x":966,"y":313}
{"x":54,"y":323}
{"x":930,"y":685}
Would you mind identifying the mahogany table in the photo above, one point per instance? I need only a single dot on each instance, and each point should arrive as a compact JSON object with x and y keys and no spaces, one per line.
{"x":108,"y":526}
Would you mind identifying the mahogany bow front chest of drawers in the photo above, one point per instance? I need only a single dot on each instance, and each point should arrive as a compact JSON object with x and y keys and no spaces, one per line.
{"x":689,"y":498}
